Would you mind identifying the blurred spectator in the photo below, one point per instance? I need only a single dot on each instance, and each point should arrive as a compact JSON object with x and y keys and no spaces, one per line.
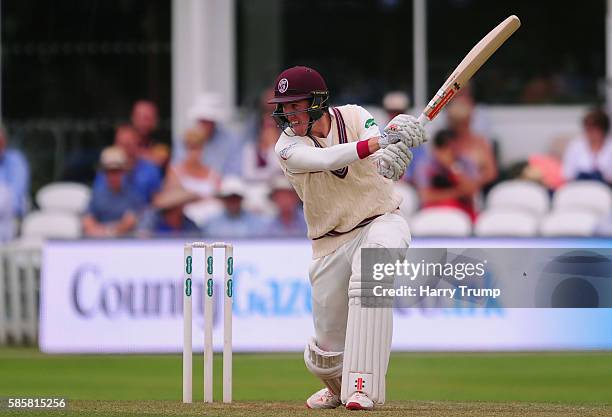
{"x":194,"y":176}
{"x":259,"y":159}
{"x":114,"y":206}
{"x":394,"y":103}
{"x":289,"y":221}
{"x":167,"y":217}
{"x":145,"y":120}
{"x":445,"y":178}
{"x":547,"y":168}
{"x":470,"y":145}
{"x":141,"y":175}
{"x":234,"y":222}
{"x":479,"y":119}
{"x":8,"y":221}
{"x":223,"y":150}
{"x":539,"y":89}
{"x":589,"y":156}
{"x":15,"y":175}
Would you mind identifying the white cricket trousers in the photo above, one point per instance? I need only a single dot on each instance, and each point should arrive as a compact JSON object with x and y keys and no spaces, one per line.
{"x":330,"y":276}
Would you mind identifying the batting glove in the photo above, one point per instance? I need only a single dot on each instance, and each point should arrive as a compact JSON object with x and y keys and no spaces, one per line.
{"x":404,"y":128}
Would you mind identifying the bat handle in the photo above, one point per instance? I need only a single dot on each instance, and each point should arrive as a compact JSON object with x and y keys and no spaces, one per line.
{"x":423,"y":120}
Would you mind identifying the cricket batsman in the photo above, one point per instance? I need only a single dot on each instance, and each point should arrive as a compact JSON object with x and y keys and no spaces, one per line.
{"x":343,"y":170}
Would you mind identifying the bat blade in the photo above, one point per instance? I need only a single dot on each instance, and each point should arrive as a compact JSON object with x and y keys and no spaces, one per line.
{"x":472,"y":62}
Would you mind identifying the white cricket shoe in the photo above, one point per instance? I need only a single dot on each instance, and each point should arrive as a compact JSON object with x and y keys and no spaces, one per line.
{"x":323,"y":398}
{"x":359,"y":401}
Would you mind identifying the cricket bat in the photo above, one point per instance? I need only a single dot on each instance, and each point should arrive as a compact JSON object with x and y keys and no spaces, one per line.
{"x":468,"y":66}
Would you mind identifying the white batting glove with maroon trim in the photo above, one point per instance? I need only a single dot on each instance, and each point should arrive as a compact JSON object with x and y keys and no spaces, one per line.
{"x":393,"y":160}
{"x":403,"y":128}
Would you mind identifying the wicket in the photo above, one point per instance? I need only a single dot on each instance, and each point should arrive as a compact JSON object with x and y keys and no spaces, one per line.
{"x":208,"y":321}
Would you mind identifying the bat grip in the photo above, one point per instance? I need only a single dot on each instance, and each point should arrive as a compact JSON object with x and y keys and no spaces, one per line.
{"x":423,"y":120}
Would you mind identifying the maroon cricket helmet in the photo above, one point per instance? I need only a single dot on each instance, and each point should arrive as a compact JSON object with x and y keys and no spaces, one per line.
{"x":298,"y":83}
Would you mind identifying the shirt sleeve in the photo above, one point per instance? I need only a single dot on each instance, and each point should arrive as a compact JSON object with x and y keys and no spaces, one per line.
{"x":298,"y":157}
{"x":368,"y":128}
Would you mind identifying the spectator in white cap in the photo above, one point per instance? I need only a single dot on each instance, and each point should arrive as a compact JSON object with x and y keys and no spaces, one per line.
{"x":395,"y":103}
{"x":114,"y":207}
{"x":289,"y":220}
{"x":142,"y":174}
{"x":235,"y":221}
{"x":222,"y":149}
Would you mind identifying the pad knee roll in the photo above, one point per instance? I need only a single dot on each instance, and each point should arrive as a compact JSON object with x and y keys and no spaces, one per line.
{"x":327,"y":366}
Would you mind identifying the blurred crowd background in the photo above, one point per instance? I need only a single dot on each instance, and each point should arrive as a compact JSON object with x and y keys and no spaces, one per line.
{"x":88,"y":149}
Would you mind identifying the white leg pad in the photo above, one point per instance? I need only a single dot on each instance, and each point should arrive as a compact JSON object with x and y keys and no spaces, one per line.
{"x":366,"y":351}
{"x":327,"y":366}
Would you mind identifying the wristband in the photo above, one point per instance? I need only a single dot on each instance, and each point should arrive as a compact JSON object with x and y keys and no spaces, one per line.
{"x":363,"y":149}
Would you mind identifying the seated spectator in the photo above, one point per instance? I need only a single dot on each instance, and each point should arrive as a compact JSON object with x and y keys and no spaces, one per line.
{"x":190,"y":172}
{"x":141,"y":175}
{"x":145,"y":120}
{"x":8,"y":221}
{"x":480,"y":122}
{"x":259,"y":161}
{"x":114,"y":206}
{"x":445,"y":178}
{"x":223,"y":150}
{"x":469,"y":144}
{"x":589,"y":156}
{"x":196,"y":177}
{"x":289,"y":221}
{"x":15,"y":175}
{"x":166,"y":216}
{"x":234,"y":222}
{"x":546,"y":168}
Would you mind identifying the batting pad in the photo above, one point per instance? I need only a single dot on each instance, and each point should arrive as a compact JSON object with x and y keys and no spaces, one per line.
{"x":366,"y":350}
{"x":327,"y":366}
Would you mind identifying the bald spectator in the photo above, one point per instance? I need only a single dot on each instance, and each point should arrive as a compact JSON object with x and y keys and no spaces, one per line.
{"x":141,"y":175}
{"x":114,"y":207}
{"x":145,"y":119}
{"x":14,"y":175}
{"x":589,"y":156}
{"x":222,"y":149}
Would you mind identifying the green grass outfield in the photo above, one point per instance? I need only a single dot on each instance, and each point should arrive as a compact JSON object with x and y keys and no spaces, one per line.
{"x":444,"y":384}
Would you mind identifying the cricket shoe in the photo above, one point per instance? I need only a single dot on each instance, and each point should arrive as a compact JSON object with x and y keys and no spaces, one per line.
{"x":359,"y":401}
{"x":323,"y":398}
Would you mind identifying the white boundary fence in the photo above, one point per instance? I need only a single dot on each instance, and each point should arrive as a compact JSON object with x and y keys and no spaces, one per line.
{"x":19,"y":294}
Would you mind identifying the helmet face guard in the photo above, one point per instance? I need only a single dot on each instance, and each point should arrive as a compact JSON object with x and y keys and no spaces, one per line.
{"x":316,"y":110}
